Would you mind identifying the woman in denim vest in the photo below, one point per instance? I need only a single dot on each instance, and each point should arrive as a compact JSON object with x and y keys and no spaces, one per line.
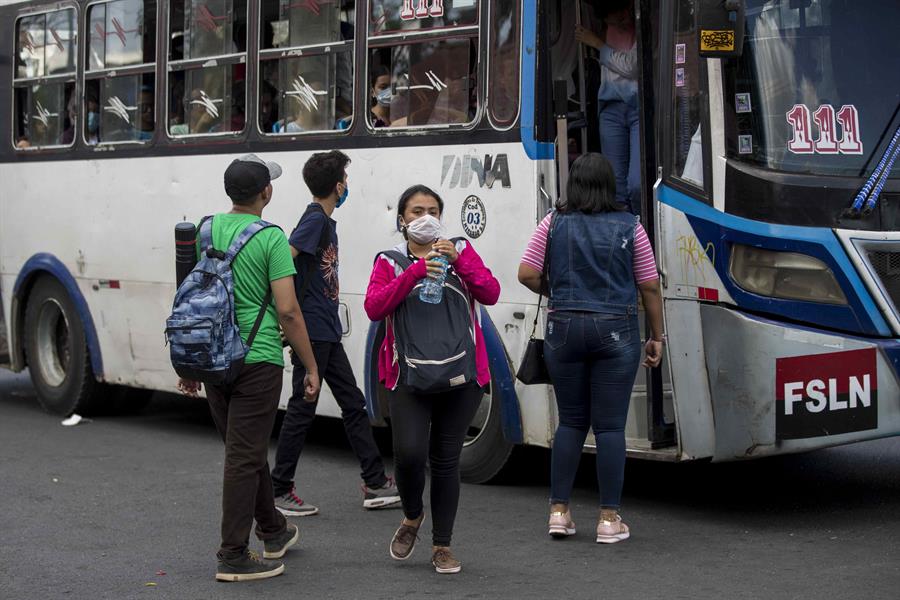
{"x":599,"y":258}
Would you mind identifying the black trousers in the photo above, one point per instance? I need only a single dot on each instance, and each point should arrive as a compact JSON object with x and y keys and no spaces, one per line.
{"x":334,"y":369}
{"x":244,"y":413}
{"x":431,"y":427}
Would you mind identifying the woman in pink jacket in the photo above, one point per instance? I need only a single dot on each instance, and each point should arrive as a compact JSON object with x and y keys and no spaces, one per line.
{"x":433,"y":361}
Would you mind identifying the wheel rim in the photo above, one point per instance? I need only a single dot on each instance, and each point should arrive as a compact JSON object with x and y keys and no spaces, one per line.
{"x":53,"y":348}
{"x":479,"y":421}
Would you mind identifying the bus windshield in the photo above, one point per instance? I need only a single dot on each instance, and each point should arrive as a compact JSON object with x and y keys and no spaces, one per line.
{"x":816,"y":89}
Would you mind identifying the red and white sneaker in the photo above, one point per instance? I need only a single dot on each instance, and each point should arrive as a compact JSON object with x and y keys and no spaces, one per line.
{"x":291,"y":505}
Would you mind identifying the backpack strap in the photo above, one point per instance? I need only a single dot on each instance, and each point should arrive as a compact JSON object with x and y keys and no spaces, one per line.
{"x":236,"y":246}
{"x":206,"y":239}
{"x":243,"y":237}
{"x":398,"y":257}
{"x":267,"y":299}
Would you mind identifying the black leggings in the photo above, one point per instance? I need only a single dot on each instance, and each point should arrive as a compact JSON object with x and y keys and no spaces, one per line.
{"x":448,"y":414}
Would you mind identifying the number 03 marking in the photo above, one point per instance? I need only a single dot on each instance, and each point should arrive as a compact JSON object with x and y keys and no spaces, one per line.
{"x":802,"y":143}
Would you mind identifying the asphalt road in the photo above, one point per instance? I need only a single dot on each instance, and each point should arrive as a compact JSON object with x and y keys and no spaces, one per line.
{"x":103,"y":509}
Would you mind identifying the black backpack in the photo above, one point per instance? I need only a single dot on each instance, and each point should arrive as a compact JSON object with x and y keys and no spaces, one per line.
{"x":434,"y":344}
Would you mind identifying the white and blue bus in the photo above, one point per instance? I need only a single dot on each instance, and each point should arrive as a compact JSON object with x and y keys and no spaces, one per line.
{"x":769,"y":145}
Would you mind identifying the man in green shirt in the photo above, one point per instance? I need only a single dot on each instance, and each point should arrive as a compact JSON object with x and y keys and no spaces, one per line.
{"x":244,"y":411}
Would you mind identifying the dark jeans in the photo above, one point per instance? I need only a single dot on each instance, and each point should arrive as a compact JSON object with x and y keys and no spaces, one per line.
{"x":244,"y":413}
{"x":432,"y":427}
{"x":620,"y":140}
{"x":334,"y":369}
{"x":592,"y":359}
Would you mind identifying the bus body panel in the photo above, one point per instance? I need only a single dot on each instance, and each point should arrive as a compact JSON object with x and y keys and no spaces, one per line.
{"x":745,"y":385}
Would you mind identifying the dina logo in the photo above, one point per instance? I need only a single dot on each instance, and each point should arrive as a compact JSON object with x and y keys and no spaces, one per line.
{"x":42,"y":114}
{"x":462,"y":171}
{"x":305,"y":94}
{"x":118,"y":30}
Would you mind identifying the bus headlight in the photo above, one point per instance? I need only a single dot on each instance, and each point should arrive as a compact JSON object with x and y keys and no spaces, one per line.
{"x":787,"y":275}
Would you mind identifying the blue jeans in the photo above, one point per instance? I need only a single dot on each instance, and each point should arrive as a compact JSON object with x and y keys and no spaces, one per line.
{"x":593,"y":360}
{"x":620,"y":141}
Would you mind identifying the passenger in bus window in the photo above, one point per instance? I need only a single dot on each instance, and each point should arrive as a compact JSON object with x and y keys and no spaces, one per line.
{"x":146,"y":122}
{"x":380,"y":96}
{"x":617,"y":99}
{"x":91,"y":116}
{"x":594,"y":257}
{"x":68,"y":134}
{"x":268,"y":107}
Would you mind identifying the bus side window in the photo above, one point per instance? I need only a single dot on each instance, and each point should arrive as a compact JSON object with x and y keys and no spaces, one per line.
{"x":207,"y":67}
{"x":687,"y":163}
{"x":428,"y":77}
{"x":120,"y":107}
{"x":45,"y":110}
{"x":306,"y":66}
{"x":503,"y":65}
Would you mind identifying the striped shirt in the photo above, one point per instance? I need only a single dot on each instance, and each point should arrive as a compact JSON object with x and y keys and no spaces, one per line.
{"x":643,"y":263}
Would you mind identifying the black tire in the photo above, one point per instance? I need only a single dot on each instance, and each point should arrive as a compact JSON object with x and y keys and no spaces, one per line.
{"x":56,"y":351}
{"x":486,"y":449}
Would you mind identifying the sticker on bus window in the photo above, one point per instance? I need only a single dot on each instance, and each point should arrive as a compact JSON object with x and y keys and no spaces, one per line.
{"x":826,"y":394}
{"x":801,"y":119}
{"x":680,"y":53}
{"x":474,"y":217}
{"x":679,"y":77}
{"x":717,"y":40}
{"x":742,"y":103}
{"x":745,"y":144}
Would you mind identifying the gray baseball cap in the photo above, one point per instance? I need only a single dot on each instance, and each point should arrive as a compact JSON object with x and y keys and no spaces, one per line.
{"x":248,"y":175}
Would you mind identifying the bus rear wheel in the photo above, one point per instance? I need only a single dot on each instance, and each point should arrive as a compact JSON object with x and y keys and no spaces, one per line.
{"x":57,"y":352}
{"x":485,"y":449}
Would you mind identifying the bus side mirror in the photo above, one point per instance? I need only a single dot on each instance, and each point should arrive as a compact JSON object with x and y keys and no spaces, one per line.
{"x":721,"y":31}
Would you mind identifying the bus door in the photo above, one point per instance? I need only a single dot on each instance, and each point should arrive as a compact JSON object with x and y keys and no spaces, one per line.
{"x":577,"y":76}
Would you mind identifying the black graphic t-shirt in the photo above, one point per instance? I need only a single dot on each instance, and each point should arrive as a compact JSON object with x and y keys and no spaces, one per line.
{"x":320,"y":306}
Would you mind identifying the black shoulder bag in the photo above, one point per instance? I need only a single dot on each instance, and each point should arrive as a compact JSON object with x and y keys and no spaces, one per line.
{"x":533,"y":368}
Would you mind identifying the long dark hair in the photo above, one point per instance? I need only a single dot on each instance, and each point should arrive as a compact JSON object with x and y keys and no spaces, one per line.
{"x":591,"y":187}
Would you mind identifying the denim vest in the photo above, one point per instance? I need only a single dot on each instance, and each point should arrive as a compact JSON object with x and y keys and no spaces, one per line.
{"x":591,"y":265}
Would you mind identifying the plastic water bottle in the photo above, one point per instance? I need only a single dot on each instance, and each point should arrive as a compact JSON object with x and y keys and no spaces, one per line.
{"x":433,"y":289}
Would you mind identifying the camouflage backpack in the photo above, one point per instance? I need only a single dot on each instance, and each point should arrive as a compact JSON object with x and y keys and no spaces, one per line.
{"x":202,"y":331}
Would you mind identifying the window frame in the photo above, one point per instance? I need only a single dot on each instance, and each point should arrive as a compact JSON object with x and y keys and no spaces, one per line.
{"x":438,"y":34}
{"x":667,"y":55}
{"x":489,"y":62}
{"x":28,"y":82}
{"x":276,"y":54}
{"x":130,"y":70}
{"x":184,"y":65}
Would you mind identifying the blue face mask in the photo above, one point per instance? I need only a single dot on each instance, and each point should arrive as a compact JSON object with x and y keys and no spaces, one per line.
{"x":383,"y":98}
{"x":343,"y":197}
{"x":93,"y":122}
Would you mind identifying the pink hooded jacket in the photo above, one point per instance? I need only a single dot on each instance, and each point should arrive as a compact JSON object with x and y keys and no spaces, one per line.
{"x":388,"y":288}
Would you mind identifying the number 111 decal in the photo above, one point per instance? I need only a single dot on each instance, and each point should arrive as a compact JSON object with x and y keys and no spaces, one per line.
{"x":826,"y":120}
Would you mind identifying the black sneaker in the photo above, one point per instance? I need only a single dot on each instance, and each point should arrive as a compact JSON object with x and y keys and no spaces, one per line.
{"x":247,"y":567}
{"x":276,"y":547}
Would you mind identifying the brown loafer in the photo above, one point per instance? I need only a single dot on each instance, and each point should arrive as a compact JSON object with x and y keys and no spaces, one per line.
{"x":444,"y":561}
{"x":404,"y":540}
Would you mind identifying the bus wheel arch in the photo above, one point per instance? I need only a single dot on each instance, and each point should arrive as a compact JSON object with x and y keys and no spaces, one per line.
{"x":497,"y":426}
{"x":51,"y":323}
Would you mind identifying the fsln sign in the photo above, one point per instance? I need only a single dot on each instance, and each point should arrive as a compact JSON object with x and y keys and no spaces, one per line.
{"x":826,"y":394}
{"x":421,"y":9}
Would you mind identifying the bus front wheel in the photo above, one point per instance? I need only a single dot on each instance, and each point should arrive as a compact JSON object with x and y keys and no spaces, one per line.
{"x":486,"y":449}
{"x":56,"y":350}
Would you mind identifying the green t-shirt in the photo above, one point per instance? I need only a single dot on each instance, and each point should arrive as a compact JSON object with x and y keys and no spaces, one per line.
{"x":265,"y":258}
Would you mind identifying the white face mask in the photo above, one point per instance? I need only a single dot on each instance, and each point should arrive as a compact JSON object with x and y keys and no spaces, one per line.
{"x":424,"y":230}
